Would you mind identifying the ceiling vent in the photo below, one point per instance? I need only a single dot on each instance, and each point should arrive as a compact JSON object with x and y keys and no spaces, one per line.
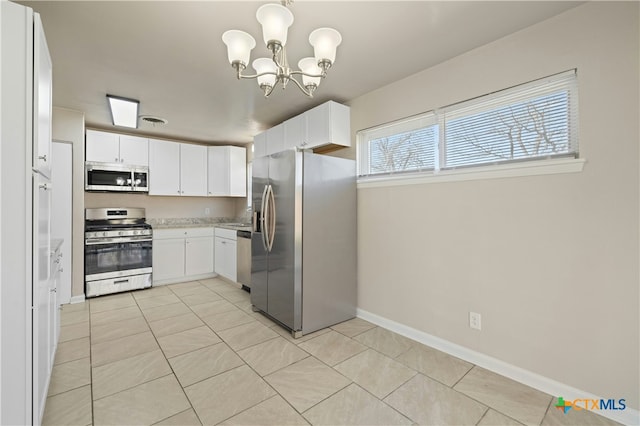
{"x":156,"y":121}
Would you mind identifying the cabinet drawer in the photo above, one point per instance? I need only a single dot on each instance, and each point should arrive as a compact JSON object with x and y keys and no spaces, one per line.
{"x":226,"y":233}
{"x":163,"y":234}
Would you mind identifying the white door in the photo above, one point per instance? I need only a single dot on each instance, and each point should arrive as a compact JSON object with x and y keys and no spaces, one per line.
{"x":41,"y":292}
{"x":237,"y":171}
{"x":102,"y":147}
{"x":198,"y":256}
{"x":295,"y":131}
{"x":134,"y":150}
{"x":225,"y":261}
{"x":193,"y":170}
{"x":218,"y":171}
{"x":318,"y":125}
{"x":42,"y":95}
{"x":260,"y":145}
{"x":61,"y":206}
{"x":275,"y":139}
{"x":164,"y":167}
{"x":168,"y":259}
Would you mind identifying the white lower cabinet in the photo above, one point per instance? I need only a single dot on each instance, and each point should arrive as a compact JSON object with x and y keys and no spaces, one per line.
{"x":198,"y":257}
{"x":168,"y":258}
{"x":180,"y":254}
{"x":226,"y":255}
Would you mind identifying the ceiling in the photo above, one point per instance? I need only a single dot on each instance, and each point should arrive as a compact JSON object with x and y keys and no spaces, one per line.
{"x":170,"y":56}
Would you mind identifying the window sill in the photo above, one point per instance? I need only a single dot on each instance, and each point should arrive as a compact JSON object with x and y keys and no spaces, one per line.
{"x":532,"y":168}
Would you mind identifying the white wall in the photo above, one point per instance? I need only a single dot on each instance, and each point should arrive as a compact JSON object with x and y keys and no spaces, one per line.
{"x":551,"y":262}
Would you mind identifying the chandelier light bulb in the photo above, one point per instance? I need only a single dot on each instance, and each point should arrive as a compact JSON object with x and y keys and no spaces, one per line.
{"x":262,"y":65}
{"x":239,"y":45}
{"x":325,"y":41}
{"x":275,"y":20}
{"x":310,"y":66}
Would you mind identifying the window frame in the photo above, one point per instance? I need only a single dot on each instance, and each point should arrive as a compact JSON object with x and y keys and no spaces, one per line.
{"x":565,"y":162}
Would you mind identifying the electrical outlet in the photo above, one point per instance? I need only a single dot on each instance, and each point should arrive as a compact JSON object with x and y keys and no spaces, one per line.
{"x":207,"y":211}
{"x":475,"y":320}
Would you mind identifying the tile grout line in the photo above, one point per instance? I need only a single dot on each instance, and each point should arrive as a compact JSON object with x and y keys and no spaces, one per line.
{"x":222,"y":341}
{"x":173,"y":373}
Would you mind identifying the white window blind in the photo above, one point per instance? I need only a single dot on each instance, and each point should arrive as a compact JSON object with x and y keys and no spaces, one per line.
{"x":408,"y":145}
{"x":532,"y":121}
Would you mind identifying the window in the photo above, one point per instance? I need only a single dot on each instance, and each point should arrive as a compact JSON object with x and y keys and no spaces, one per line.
{"x":533,"y":121}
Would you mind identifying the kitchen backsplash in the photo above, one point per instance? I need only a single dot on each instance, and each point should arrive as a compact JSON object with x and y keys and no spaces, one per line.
{"x":170,"y":207}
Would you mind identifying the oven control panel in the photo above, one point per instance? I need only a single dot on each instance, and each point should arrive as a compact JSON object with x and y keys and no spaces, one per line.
{"x":121,"y":233}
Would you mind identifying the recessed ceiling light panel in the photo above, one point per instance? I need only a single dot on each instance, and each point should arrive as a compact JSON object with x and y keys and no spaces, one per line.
{"x":124,"y":111}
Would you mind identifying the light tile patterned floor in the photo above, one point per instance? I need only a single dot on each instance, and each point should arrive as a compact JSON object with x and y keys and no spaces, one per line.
{"x":194,"y":353}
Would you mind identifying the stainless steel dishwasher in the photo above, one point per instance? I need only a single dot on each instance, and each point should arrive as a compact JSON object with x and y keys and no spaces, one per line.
{"x":244,"y":258}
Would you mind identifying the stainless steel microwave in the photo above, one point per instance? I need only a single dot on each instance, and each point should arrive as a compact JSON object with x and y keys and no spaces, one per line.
{"x":115,"y":177}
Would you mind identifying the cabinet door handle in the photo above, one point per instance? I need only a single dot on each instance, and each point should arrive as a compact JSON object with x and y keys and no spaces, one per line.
{"x":43,"y":158}
{"x":116,"y":160}
{"x":44,"y":186}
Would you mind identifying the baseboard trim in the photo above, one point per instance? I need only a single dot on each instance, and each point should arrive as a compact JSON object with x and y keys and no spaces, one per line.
{"x":77,"y":299}
{"x":544,"y":384}
{"x":157,"y":283}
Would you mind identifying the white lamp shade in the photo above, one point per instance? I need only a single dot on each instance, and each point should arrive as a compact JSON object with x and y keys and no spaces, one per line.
{"x":275,"y":20}
{"x":265,"y":65}
{"x":239,"y":45}
{"x":310,"y":66}
{"x":324,"y":42}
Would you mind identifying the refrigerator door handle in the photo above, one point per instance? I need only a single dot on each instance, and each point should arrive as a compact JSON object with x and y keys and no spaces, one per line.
{"x":264,"y":215}
{"x":272,"y":217}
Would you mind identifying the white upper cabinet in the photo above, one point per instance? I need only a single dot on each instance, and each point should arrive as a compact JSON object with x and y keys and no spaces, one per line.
{"x":328,"y":124}
{"x":102,"y":147}
{"x":275,"y":139}
{"x":227,"y":171}
{"x":134,"y":150}
{"x":42,"y":94}
{"x":322,"y":128}
{"x":295,"y":131}
{"x":164,"y":167}
{"x":107,"y":147}
{"x":260,"y":145}
{"x":193,"y":170}
{"x":177,"y":168}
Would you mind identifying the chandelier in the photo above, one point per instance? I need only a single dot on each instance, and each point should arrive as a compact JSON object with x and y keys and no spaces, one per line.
{"x":276,"y":20}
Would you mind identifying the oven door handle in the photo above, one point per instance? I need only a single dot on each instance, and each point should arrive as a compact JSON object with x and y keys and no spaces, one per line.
{"x":118,"y":240}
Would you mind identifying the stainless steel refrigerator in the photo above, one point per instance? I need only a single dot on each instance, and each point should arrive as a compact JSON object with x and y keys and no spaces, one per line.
{"x":303,"y":245}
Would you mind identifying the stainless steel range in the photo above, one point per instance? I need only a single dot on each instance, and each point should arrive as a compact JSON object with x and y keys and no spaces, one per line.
{"x":117,"y":251}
